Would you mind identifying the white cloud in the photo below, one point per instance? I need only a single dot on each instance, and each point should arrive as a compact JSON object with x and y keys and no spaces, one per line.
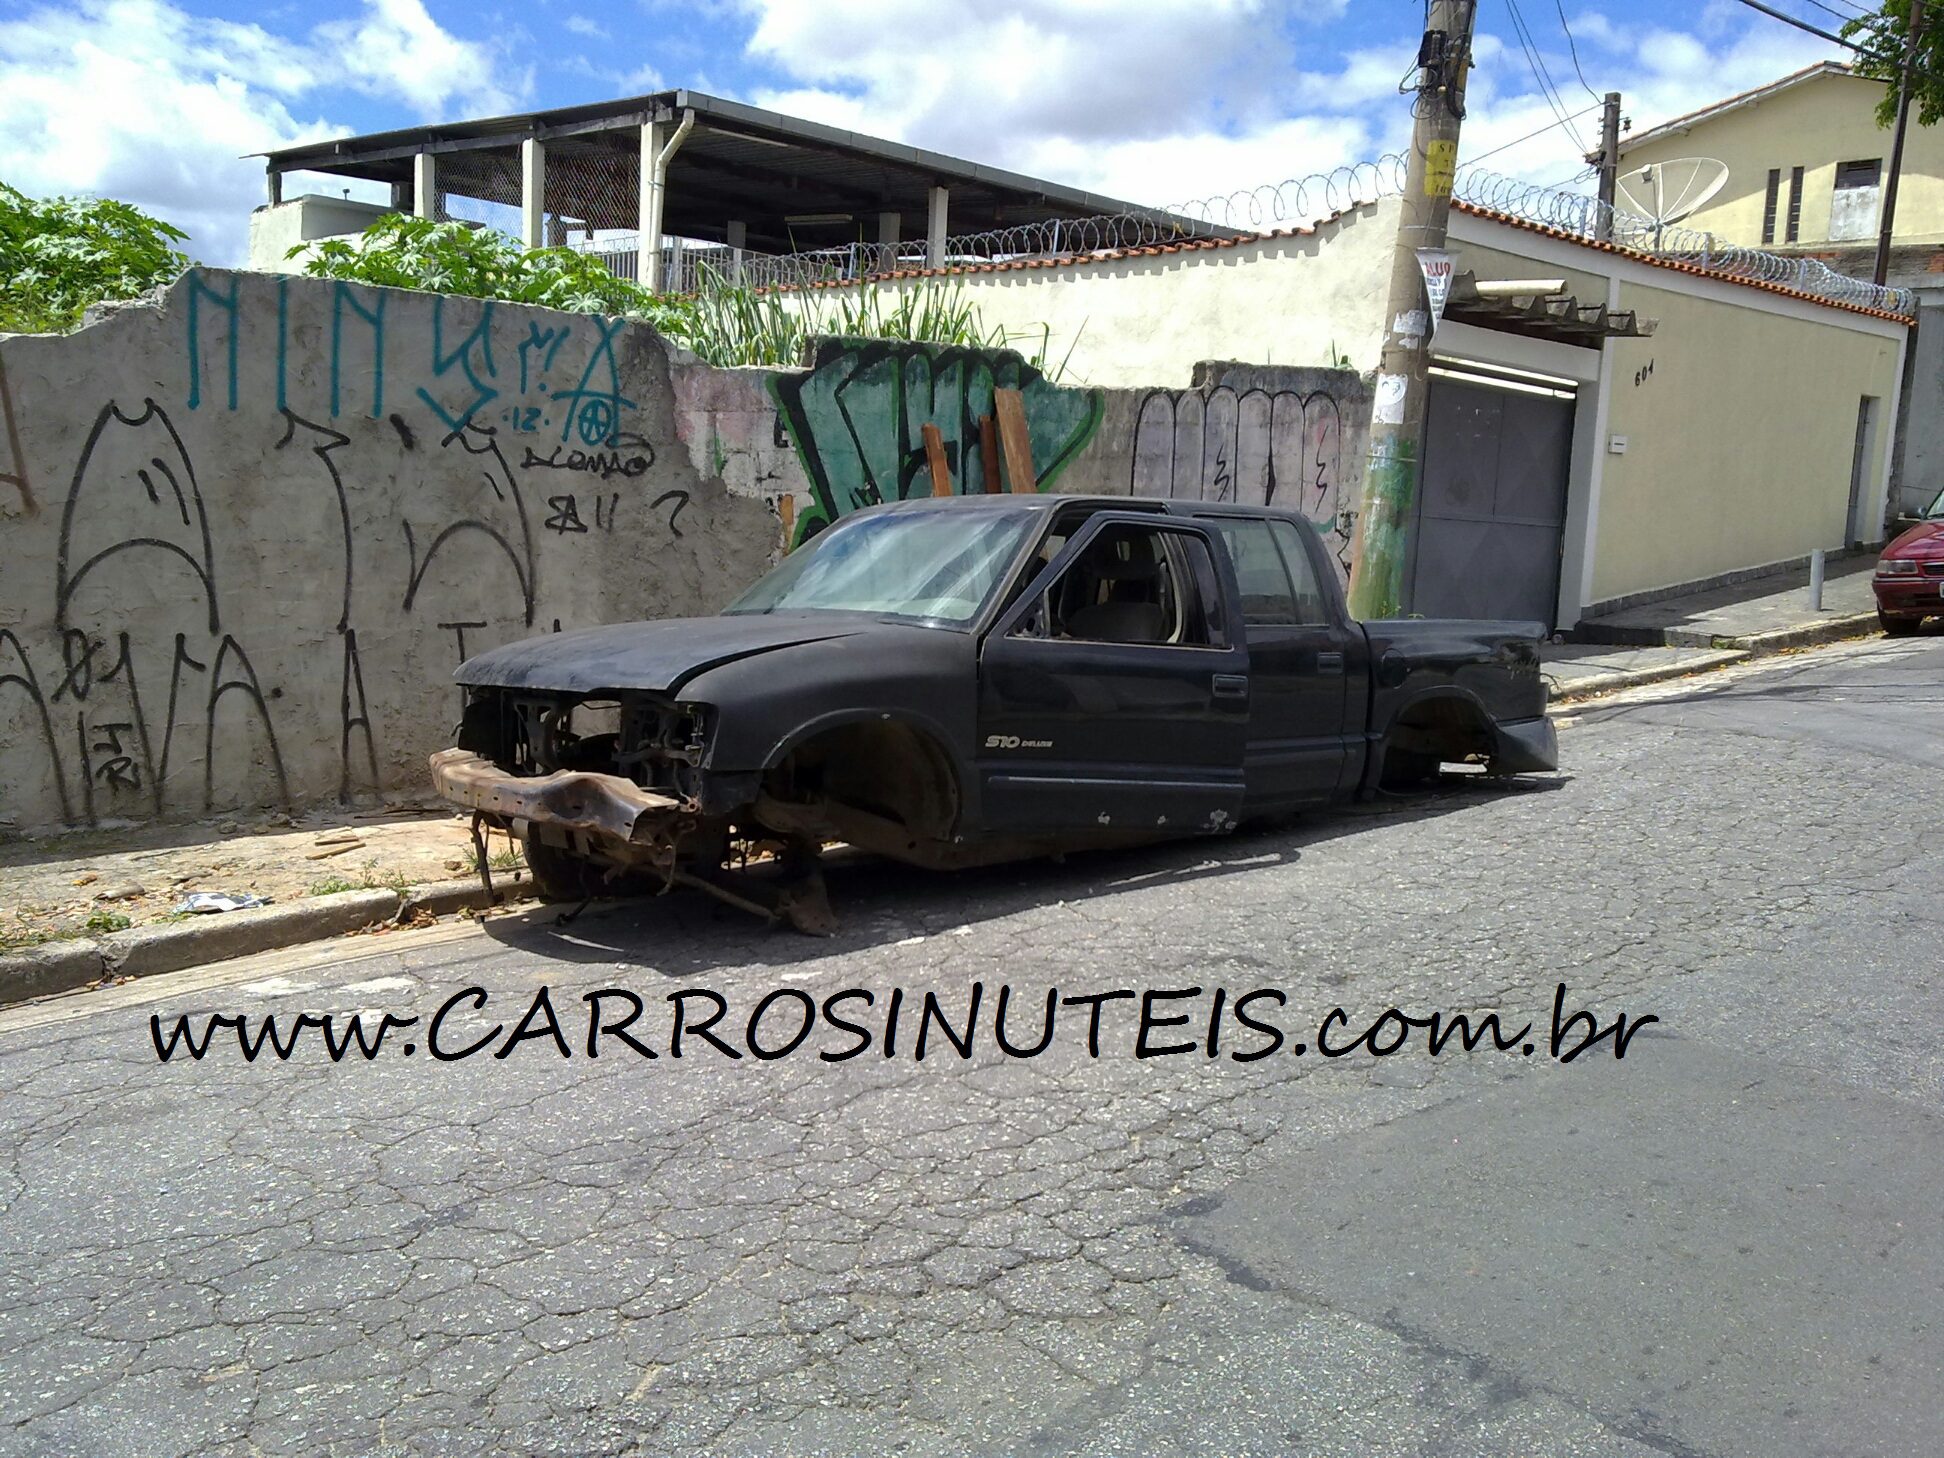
{"x":1174,"y":100}
{"x":139,"y":100}
{"x":394,"y":49}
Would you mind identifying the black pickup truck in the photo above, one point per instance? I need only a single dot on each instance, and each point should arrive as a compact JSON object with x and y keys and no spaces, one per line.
{"x":967,"y":679}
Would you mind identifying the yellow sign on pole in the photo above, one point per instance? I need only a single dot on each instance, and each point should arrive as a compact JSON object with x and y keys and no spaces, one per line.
{"x":1440,"y":167}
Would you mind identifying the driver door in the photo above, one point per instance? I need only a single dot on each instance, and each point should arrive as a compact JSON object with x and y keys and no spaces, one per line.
{"x":1114,"y":691}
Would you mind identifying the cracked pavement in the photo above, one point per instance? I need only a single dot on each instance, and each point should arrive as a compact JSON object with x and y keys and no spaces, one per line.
{"x":1298,"y":1255}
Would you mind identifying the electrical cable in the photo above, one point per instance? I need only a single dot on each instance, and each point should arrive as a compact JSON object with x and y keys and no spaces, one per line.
{"x":1547,"y":88}
{"x":1549,"y":126}
{"x":1573,"y":46}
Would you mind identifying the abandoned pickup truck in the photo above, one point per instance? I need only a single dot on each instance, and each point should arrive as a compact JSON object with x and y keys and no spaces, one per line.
{"x":959,"y":680}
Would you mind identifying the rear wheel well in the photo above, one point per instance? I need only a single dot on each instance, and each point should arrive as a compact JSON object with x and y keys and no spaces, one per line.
{"x":884,"y":767}
{"x":1434,"y":731}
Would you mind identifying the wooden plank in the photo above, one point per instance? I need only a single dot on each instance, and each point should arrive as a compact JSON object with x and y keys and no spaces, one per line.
{"x":786,"y":513}
{"x":941,"y":475}
{"x":989,"y":454}
{"x":1014,"y":441}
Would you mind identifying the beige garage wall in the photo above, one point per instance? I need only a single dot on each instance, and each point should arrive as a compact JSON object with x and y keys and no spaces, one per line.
{"x":1740,"y":426}
{"x":1146,"y":321}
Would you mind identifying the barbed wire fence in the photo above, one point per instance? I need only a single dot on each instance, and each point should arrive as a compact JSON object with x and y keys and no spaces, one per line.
{"x":1297,"y":202}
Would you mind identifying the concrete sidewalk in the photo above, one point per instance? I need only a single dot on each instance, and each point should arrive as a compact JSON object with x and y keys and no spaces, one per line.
{"x":90,"y":906}
{"x":1700,"y":631}
{"x":1762,"y":613}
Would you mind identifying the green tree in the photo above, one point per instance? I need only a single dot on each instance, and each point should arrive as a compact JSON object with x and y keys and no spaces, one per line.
{"x":58,"y":255}
{"x":1883,"y":37}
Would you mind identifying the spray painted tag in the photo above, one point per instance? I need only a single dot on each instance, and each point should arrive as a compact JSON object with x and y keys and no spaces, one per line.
{"x":1437,"y":264}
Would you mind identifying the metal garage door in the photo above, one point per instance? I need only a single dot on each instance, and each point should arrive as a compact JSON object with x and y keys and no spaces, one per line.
{"x":1492,"y":505}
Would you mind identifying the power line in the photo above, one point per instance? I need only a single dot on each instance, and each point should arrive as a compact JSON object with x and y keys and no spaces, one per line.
{"x":1549,"y":126}
{"x":1573,"y":46}
{"x":1547,"y":88}
{"x":1801,"y":24}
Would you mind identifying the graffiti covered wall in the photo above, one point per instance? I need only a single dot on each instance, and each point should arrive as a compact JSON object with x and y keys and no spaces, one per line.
{"x":249,"y":532}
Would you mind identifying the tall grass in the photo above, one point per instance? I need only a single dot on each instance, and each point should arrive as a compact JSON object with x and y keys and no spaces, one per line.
{"x":726,"y":323}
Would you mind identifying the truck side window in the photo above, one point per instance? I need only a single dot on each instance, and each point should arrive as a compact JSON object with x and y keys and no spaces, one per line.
{"x":1311,"y":609}
{"x":1133,"y":584}
{"x":1267,"y":599}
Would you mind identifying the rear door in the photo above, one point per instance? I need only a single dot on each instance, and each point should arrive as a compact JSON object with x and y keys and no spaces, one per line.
{"x":1298,"y":661}
{"x":1114,"y":691}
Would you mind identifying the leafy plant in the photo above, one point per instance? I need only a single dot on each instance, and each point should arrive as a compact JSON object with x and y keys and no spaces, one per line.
{"x":59,"y":255}
{"x":402,"y":250}
{"x":1883,"y":38}
{"x":107,"y":921}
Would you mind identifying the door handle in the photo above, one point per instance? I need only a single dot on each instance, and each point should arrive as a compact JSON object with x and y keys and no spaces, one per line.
{"x":1231,"y":685}
{"x":1329,"y":663}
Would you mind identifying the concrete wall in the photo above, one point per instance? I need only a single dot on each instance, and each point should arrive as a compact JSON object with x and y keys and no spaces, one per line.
{"x":1920,"y":463}
{"x":1740,"y":426}
{"x":250,"y":528}
{"x":1813,"y":125}
{"x":275,"y":230}
{"x":1307,"y":300}
{"x":250,"y":531}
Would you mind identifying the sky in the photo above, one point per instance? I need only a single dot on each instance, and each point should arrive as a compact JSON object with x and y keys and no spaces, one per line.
{"x":1154,"y":101}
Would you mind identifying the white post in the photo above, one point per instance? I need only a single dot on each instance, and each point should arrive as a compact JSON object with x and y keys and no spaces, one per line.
{"x":935,"y":227}
{"x":425,"y":185}
{"x":1816,"y":580}
{"x":533,"y":191}
{"x":648,"y":265}
{"x":658,"y":145}
{"x":737,"y":237}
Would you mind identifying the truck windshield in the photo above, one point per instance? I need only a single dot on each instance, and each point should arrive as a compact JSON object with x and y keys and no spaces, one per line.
{"x":941,"y":565}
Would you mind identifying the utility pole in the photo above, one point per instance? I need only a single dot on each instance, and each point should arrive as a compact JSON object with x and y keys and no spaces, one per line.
{"x":1897,"y":146}
{"x":1609,"y":163}
{"x":1395,"y":463}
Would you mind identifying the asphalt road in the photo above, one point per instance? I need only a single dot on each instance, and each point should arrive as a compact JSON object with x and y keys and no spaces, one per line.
{"x":1726,"y":1243}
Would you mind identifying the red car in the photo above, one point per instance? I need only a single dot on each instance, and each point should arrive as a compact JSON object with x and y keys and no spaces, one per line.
{"x":1909,"y":579}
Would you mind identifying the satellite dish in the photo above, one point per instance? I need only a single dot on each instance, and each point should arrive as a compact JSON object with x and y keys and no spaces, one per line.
{"x":1666,"y":192}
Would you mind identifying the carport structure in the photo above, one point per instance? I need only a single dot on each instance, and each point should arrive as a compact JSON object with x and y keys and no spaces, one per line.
{"x":628,"y":178}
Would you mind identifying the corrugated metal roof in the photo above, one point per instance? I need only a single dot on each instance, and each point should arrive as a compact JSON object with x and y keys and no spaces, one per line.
{"x":739,"y":163}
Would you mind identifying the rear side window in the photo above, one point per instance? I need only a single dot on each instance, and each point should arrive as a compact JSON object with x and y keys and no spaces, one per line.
{"x":1311,"y":609}
{"x":1267,"y":599}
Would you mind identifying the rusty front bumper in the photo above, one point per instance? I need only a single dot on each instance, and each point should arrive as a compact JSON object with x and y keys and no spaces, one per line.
{"x":607,"y":805}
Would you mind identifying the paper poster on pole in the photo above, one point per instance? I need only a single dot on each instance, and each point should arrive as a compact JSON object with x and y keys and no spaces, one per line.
{"x":1388,"y":406}
{"x":1437,"y":264}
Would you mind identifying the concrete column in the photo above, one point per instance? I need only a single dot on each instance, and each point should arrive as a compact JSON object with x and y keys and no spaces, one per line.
{"x":425,"y":185}
{"x":888,"y":227}
{"x":935,"y":218}
{"x":274,"y":180}
{"x":648,"y":265}
{"x":533,"y":192}
{"x":737,"y":238}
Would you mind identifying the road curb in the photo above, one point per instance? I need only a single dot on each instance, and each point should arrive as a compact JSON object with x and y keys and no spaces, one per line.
{"x":145,"y":951}
{"x":1606,"y":683}
{"x":1835,"y":630}
{"x":49,"y":968}
{"x":449,"y":898}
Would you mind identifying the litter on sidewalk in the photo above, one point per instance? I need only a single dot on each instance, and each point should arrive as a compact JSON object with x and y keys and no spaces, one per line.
{"x":206,"y":901}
